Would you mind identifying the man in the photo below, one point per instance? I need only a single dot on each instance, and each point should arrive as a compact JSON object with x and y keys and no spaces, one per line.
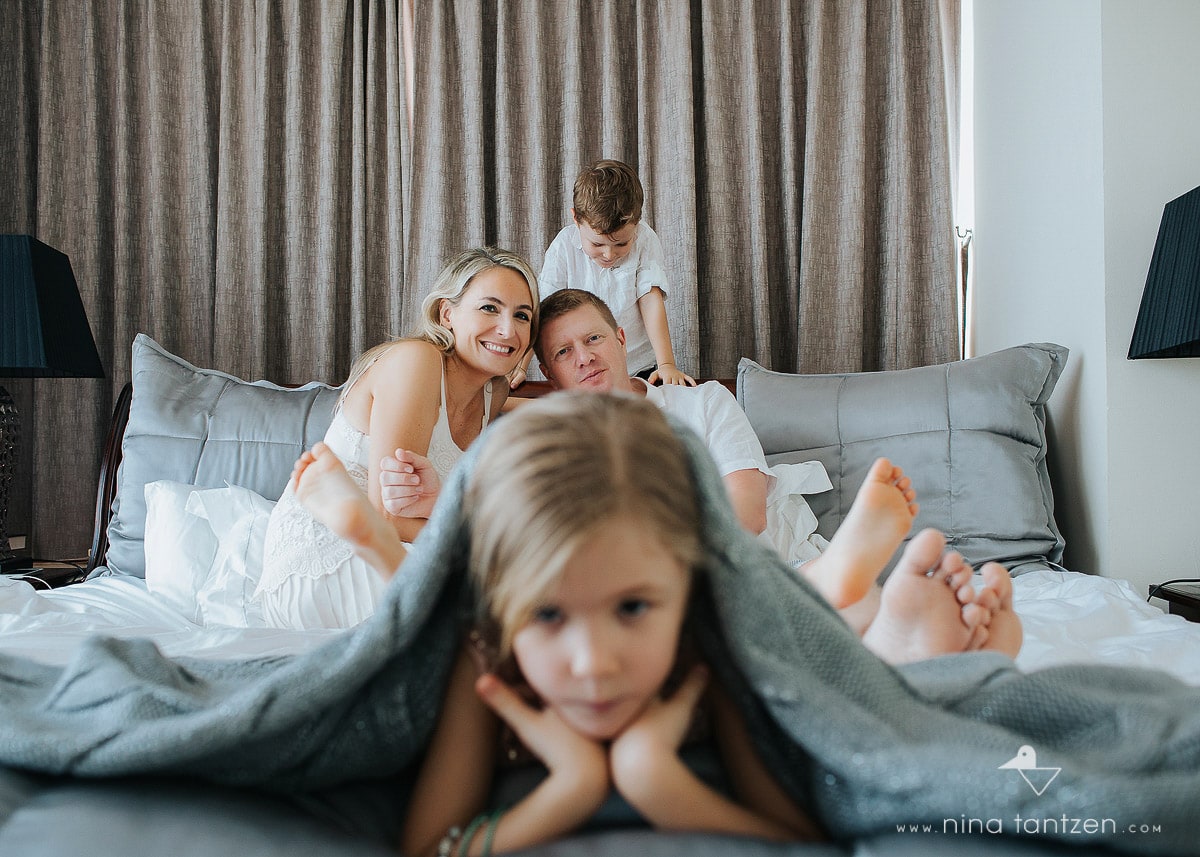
{"x":581,"y":347}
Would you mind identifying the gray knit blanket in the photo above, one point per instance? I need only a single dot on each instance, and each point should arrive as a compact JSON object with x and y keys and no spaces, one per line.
{"x":865,"y":747}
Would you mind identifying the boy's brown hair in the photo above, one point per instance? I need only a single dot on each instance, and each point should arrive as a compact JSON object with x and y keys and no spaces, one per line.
{"x":608,"y":196}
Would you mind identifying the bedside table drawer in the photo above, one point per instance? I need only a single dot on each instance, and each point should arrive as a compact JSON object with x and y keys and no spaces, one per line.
{"x":1183,"y":599}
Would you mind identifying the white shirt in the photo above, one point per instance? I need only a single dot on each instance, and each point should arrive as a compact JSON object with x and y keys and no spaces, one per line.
{"x":712,"y":412}
{"x":567,"y":266}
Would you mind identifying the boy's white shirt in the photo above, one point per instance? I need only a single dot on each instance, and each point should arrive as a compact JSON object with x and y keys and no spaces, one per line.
{"x":567,"y":266}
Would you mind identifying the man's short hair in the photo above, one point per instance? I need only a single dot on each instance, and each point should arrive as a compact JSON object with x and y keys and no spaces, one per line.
{"x":562,"y":302}
{"x":608,"y":196}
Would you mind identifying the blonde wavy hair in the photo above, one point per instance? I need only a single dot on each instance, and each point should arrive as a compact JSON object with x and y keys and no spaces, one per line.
{"x":553,"y":472}
{"x":450,"y":286}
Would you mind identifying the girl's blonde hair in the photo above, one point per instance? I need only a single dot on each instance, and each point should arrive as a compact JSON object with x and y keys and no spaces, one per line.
{"x":552,"y":473}
{"x":450,"y":285}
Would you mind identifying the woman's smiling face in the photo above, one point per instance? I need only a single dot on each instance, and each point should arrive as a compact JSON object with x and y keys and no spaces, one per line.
{"x":491,"y":324}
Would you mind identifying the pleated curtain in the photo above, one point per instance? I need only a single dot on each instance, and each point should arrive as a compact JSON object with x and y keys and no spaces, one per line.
{"x":241,"y":181}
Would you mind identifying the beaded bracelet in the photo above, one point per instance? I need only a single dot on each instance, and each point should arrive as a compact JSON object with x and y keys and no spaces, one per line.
{"x":448,"y":844}
{"x":490,"y":833}
{"x":456,"y":842}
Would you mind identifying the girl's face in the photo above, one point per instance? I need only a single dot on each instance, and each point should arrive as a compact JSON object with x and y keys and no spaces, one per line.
{"x":600,"y":646}
{"x":491,"y":324}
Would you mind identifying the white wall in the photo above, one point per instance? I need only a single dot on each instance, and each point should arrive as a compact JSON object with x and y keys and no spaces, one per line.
{"x":1087,"y":120}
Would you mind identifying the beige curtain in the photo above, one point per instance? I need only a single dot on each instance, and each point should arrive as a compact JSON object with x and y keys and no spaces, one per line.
{"x":795,"y":154}
{"x":236,"y":179}
{"x":227,"y":177}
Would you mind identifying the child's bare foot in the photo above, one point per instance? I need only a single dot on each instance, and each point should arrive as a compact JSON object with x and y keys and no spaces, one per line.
{"x":924,"y":604}
{"x":995,"y":604}
{"x":326,"y":490}
{"x":879,"y":519}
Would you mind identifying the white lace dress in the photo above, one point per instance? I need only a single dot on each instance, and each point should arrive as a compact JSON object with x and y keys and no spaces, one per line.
{"x":311,"y":577}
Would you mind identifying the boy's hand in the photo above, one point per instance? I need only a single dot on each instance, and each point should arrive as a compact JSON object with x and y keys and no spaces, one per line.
{"x":669,"y":374}
{"x":517,"y":377}
{"x":409,"y":486}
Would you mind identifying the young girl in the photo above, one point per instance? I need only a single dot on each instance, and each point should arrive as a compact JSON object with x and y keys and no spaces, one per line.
{"x":585,"y":538}
{"x":432,"y":392}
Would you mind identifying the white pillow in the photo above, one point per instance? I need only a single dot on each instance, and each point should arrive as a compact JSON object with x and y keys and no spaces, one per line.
{"x":238,"y":517}
{"x":179,"y":547}
{"x":791,"y":524}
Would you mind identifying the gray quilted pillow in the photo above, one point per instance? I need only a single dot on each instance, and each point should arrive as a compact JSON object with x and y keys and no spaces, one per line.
{"x":205,"y":428}
{"x":971,"y":434}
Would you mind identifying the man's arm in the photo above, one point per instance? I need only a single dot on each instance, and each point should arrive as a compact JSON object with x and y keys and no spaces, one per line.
{"x":747,"y":491}
{"x":734,"y":446}
{"x":408,"y":485}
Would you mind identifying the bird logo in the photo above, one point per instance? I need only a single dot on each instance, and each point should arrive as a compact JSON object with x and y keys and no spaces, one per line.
{"x":1025,"y":764}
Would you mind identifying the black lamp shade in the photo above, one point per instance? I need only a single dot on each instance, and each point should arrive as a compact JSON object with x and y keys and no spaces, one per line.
{"x":44,"y":331}
{"x":1168,"y":322}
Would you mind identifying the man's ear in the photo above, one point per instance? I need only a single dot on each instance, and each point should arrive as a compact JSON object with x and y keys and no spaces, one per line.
{"x":621,"y":335}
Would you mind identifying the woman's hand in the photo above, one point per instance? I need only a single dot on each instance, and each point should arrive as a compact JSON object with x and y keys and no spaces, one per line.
{"x":638,"y":752}
{"x":577,"y":764}
{"x":408,"y":484}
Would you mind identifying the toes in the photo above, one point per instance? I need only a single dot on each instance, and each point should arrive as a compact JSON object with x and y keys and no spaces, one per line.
{"x":978,"y":638}
{"x":988,"y":600}
{"x":975,"y":616}
{"x":881,"y":471}
{"x":961,"y":584}
{"x":922,"y":553}
{"x":997,"y":579}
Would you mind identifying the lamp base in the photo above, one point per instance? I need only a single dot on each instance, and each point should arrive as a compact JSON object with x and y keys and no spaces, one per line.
{"x":10,"y":426}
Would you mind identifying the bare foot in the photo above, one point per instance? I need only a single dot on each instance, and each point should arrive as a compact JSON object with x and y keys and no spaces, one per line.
{"x":995,"y":600}
{"x":924,"y":604}
{"x":326,"y":490}
{"x":879,"y":519}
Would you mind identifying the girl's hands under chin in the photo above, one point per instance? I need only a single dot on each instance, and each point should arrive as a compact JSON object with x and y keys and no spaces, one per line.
{"x":576,"y":760}
{"x":656,"y":734}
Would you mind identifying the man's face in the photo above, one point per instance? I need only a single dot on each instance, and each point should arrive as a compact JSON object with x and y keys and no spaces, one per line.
{"x":609,"y":250}
{"x":583,"y":352}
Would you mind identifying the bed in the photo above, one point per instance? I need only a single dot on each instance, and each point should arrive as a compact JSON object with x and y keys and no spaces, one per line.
{"x":203,"y":454}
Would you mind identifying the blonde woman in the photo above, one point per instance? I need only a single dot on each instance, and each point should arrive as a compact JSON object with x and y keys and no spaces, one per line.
{"x":432,"y":392}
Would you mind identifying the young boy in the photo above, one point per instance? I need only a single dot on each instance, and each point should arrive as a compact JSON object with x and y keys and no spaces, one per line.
{"x":611,"y":253}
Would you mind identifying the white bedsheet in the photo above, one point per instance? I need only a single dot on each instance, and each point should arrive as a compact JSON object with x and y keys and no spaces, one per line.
{"x":1068,"y":618}
{"x":49,"y":625}
{"x":1072,"y":618}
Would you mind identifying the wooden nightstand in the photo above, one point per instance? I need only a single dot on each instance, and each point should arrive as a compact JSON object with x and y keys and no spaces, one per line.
{"x":52,"y":574}
{"x":1183,"y":599}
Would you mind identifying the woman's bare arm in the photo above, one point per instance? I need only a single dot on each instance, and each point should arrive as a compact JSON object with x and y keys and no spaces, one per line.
{"x":398,"y":401}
